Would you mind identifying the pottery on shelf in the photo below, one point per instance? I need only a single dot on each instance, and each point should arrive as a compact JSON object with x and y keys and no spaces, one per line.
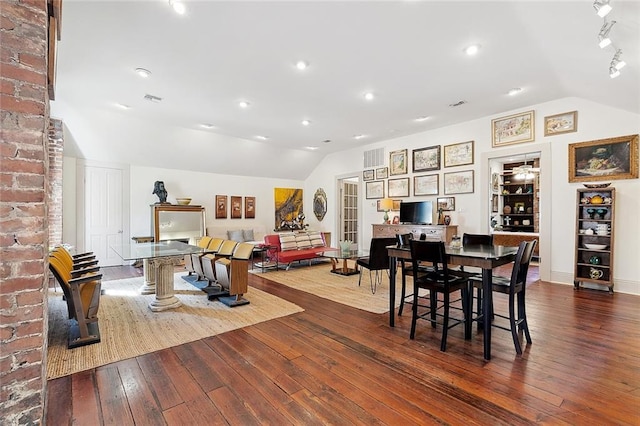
{"x":506,"y":210}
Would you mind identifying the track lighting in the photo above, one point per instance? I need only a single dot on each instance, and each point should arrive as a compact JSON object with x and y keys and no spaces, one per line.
{"x":602,"y":7}
{"x":616,"y":62}
{"x":603,"y":36}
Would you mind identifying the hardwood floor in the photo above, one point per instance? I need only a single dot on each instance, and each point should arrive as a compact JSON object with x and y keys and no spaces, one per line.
{"x":333,"y":364}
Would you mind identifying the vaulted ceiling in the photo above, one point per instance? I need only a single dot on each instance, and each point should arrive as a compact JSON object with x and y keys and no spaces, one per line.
{"x":408,"y":54}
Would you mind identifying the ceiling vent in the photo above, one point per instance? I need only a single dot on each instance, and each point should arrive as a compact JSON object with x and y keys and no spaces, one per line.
{"x":374,"y":158}
{"x":152,"y":98}
{"x":457,"y":104}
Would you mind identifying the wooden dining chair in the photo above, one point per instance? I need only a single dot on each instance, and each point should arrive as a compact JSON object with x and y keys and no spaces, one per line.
{"x":515,"y":287}
{"x":438,"y":280}
{"x":475,"y":276}
{"x":377,"y":261}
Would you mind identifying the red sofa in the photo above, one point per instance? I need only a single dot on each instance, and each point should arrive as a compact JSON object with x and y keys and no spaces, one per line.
{"x":296,"y":247}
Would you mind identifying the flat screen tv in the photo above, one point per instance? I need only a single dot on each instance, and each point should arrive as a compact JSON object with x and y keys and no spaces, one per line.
{"x":416,"y":212}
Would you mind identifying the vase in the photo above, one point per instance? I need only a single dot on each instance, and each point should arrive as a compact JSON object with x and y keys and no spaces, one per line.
{"x":506,"y":210}
{"x":447,"y":219}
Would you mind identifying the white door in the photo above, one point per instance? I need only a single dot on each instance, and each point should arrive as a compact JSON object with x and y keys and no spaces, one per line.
{"x":103,"y":212}
{"x":349,"y":211}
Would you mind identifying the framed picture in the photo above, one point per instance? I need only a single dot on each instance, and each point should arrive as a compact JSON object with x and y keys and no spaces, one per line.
{"x":398,"y":187}
{"x":367,"y":175}
{"x":425,"y":185}
{"x":221,"y":206}
{"x":382,"y":173}
{"x":494,"y":203}
{"x":566,"y":122}
{"x":458,"y":154}
{"x":447,"y":204}
{"x":495,"y":182}
{"x":249,"y":207}
{"x":398,"y":162}
{"x":458,"y":182}
{"x":426,"y":159}
{"x":613,"y":158}
{"x":512,"y":129}
{"x":236,"y":207}
{"x":374,"y":189}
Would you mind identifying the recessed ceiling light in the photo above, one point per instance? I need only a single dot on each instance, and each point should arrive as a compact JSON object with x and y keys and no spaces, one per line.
{"x":143,"y":72}
{"x":123,"y":106}
{"x":178,"y":6}
{"x":207,"y":126}
{"x":369,"y":96}
{"x":423,"y":118}
{"x":359,"y":136}
{"x":305,"y":122}
{"x":262,"y":138}
{"x":472,"y":50}
{"x":312,"y":148}
{"x":243,"y":104}
{"x":302,"y":65}
{"x":514,"y":91}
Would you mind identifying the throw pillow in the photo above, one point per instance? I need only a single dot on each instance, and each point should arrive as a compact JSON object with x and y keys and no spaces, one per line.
{"x":247,"y":234}
{"x":302,"y":240}
{"x":316,"y":239}
{"x":236,"y":235}
{"x":288,"y":242}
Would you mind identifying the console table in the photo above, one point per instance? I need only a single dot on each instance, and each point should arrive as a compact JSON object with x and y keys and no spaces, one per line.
{"x":432,"y":232}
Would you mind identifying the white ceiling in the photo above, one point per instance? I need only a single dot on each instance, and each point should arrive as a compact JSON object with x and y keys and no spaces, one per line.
{"x":408,"y":53}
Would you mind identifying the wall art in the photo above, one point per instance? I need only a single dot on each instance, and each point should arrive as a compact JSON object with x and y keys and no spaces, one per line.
{"x":426,"y":185}
{"x":374,"y":189}
{"x":458,"y":182}
{"x":249,"y":207}
{"x":236,"y":207}
{"x":458,"y":154}
{"x":398,"y":187}
{"x":221,"y":206}
{"x":604,"y":159}
{"x":382,"y":173}
{"x":398,"y":162}
{"x":566,"y":122}
{"x":426,"y":159}
{"x":367,"y":175}
{"x":516,"y":128}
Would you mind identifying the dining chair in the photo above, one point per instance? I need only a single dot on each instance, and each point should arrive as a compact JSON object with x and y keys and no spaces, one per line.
{"x":406,"y":268}
{"x":515,"y":287}
{"x":438,"y":280}
{"x":475,"y":277}
{"x":377,"y":261}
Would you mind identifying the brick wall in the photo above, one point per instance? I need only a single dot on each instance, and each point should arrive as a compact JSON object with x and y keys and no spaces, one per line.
{"x":23,"y":211}
{"x":55,"y":147}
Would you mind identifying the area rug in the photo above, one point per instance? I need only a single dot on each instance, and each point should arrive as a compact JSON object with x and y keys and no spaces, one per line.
{"x":128,"y":328}
{"x":320,"y":281}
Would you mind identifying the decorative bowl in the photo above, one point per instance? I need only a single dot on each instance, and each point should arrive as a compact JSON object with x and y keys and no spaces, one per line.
{"x":596,"y":185}
{"x":183,"y":201}
{"x":596,"y":246}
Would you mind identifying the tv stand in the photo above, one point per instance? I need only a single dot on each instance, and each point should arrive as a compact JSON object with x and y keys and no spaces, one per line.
{"x":432,"y":232}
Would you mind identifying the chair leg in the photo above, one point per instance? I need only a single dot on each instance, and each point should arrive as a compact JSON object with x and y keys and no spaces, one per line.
{"x":360,"y":277}
{"x":478,"y":307}
{"x":403,"y":294}
{"x":522,"y":317}
{"x":445,"y":323}
{"x":414,"y":312}
{"x":512,"y":323}
{"x":374,"y":282}
{"x":433,"y":306}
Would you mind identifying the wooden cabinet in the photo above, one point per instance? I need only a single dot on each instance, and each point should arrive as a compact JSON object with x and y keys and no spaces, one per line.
{"x":431,"y":232}
{"x":595,"y":230}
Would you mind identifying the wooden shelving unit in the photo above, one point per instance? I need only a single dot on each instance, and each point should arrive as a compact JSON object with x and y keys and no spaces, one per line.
{"x":595,"y":226}
{"x":521,"y":195}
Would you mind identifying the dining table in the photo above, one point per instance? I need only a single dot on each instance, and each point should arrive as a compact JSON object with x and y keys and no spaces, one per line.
{"x":486,"y":257}
{"x":158,"y":260}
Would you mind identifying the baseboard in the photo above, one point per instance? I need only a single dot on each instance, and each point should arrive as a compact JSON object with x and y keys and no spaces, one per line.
{"x":619,"y":286}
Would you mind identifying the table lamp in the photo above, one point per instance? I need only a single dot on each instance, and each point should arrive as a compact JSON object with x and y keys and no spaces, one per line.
{"x":386,"y":204}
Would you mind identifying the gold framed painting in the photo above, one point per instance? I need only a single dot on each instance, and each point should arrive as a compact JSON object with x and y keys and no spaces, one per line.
{"x":249,"y":207}
{"x":221,"y":206}
{"x":566,"y":122}
{"x":236,"y":207}
{"x":516,"y":128}
{"x":398,"y":162}
{"x":604,"y":159}
{"x":458,"y":154}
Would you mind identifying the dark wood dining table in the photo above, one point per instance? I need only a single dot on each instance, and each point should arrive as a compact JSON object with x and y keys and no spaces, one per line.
{"x":486,"y":257}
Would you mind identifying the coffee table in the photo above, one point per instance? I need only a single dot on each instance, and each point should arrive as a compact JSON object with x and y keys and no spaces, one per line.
{"x":337,"y":255}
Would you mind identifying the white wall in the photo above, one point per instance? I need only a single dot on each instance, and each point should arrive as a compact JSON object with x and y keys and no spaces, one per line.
{"x":594,"y":122}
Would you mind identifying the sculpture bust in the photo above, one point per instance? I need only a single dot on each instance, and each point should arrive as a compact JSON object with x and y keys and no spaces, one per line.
{"x":160,"y":191}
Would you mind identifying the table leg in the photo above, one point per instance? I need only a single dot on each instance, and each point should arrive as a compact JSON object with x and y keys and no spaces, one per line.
{"x":393,"y":266}
{"x":149,"y":286}
{"x":165,"y":294}
{"x":487,"y":313}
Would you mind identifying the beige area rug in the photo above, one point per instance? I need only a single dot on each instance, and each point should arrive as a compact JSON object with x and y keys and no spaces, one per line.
{"x":318,"y":280}
{"x":128,"y":328}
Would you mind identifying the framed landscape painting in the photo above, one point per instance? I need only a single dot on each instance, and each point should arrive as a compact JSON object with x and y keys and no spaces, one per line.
{"x":374,"y":189}
{"x":425,"y":185}
{"x":516,"y":128}
{"x":426,"y":159}
{"x":458,"y":154}
{"x":398,"y":162}
{"x":382,"y":173}
{"x":367,"y":175}
{"x":398,"y":187}
{"x":458,"y":182}
{"x":566,"y":122}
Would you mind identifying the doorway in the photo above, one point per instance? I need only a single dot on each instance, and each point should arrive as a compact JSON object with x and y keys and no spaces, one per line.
{"x":348,"y":210}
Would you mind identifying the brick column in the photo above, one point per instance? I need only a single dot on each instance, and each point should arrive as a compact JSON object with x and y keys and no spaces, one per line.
{"x":55,"y":148}
{"x":23,"y":220}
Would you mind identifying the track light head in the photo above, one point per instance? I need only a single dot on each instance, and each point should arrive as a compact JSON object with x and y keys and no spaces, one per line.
{"x":602,"y":7}
{"x":603,"y":35}
{"x":617,"y":62}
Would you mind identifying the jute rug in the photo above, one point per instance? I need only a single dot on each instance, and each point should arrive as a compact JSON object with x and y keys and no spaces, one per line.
{"x":128,"y":328}
{"x":318,"y":280}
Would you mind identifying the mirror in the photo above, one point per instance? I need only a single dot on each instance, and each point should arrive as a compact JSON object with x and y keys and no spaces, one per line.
{"x":178,"y":223}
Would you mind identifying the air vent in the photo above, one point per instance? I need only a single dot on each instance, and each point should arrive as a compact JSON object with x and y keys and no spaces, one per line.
{"x":152,"y":98}
{"x":458,"y":104}
{"x":374,"y":158}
